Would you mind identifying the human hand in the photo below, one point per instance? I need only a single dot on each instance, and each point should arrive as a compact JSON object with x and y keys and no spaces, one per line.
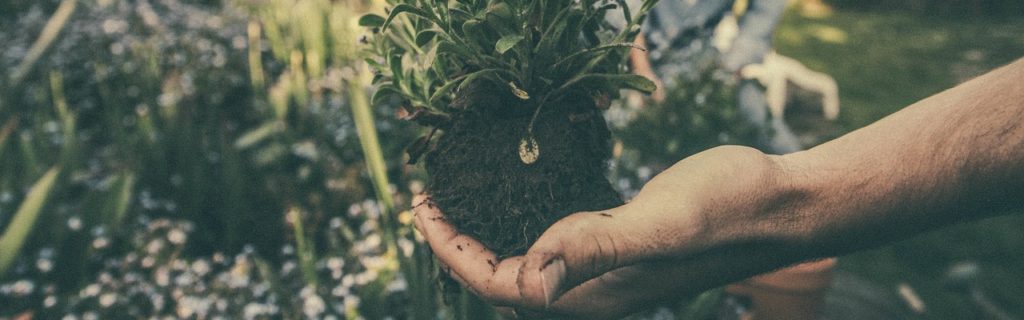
{"x":700,"y":224}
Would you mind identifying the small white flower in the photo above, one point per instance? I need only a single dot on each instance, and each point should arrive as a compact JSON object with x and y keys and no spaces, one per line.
{"x":23,"y":287}
{"x":75,"y":223}
{"x":44,"y":265}
{"x":398,"y":285}
{"x":50,"y":301}
{"x":162,"y":277}
{"x":107,"y":299}
{"x":154,"y":247}
{"x":100,"y":243}
{"x":335,"y":263}
{"x":200,"y":267}
{"x":341,"y":291}
{"x":313,"y":306}
{"x":90,"y":291}
{"x":176,"y":236}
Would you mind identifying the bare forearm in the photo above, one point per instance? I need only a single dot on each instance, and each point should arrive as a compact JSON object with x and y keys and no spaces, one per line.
{"x":732,"y":212}
{"x":955,"y":156}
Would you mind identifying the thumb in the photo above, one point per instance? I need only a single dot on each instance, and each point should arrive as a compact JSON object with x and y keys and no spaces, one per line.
{"x":578,"y":248}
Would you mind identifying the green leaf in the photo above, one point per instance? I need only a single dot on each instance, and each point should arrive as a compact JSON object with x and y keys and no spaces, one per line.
{"x":448,"y":47}
{"x":507,"y":42}
{"x":444,"y":90}
{"x":500,"y":17}
{"x":554,"y":32}
{"x":371,"y":20}
{"x":479,"y":75}
{"x":395,"y":62}
{"x":384,"y":90}
{"x":122,"y":199}
{"x":475,"y":33}
{"x":404,"y":8}
{"x":625,"y":11}
{"x":612,"y":81}
{"x":647,"y":6}
{"x":375,"y":65}
{"x":424,"y":37}
{"x":24,"y":219}
{"x":500,"y":10}
{"x":586,"y":52}
{"x":418,"y":148}
{"x":255,"y":136}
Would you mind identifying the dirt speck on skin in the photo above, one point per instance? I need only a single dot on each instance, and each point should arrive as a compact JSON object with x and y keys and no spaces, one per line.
{"x":605,"y":214}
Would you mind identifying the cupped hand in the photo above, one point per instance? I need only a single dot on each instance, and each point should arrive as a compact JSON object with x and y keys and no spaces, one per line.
{"x":702,"y":223}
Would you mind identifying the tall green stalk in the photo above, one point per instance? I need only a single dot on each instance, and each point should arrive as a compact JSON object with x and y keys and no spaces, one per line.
{"x":415,"y":268}
{"x":374,"y":157}
{"x":13,"y":238}
{"x":306,"y":253}
{"x":50,"y":33}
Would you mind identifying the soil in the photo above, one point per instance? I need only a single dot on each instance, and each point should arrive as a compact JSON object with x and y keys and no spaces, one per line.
{"x":478,"y":180}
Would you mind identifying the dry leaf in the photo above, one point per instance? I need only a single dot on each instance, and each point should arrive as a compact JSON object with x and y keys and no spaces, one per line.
{"x":520,"y":93}
{"x":529,"y":151}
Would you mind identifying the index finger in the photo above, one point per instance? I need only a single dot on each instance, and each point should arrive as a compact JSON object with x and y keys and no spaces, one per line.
{"x":479,"y":268}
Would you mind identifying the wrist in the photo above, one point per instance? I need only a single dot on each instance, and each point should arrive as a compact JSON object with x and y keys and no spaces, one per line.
{"x":753,"y":199}
{"x":792,"y":207}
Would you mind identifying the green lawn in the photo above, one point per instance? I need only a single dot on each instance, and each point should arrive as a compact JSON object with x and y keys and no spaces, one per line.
{"x":883,"y":62}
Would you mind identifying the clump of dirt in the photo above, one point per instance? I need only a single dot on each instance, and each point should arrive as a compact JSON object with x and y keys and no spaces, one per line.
{"x":486,"y":191}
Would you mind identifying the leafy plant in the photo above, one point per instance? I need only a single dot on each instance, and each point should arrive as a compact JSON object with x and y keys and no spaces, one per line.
{"x":429,"y":51}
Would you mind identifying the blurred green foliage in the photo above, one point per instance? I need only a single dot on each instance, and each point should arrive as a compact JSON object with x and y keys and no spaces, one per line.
{"x":233,"y":116}
{"x":978,"y":8}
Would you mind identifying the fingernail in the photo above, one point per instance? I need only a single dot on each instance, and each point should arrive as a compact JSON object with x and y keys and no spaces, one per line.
{"x":551,"y":277}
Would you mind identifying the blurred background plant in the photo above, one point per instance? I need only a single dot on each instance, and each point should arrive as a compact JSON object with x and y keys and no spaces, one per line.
{"x":218,"y":158}
{"x":234,"y":124}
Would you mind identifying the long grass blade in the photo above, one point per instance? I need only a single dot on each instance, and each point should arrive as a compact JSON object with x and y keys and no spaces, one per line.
{"x":307,"y":257}
{"x":123,"y":198}
{"x":21,"y":226}
{"x":50,"y":33}
{"x":367,"y":131}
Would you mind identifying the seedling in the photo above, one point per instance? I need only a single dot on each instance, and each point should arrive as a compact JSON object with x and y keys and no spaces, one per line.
{"x":512,"y":92}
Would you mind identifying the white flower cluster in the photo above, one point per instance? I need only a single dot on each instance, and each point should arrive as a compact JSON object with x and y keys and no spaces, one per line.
{"x":154,"y":280}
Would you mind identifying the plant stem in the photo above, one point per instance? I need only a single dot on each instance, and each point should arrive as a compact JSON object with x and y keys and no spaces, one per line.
{"x":302,"y":249}
{"x":372,"y":153}
{"x":13,"y":238}
{"x":50,"y":32}
{"x":374,"y":157}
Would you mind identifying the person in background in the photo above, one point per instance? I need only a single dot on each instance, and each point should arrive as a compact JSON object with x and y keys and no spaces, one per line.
{"x":677,"y":30}
{"x":675,"y":34}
